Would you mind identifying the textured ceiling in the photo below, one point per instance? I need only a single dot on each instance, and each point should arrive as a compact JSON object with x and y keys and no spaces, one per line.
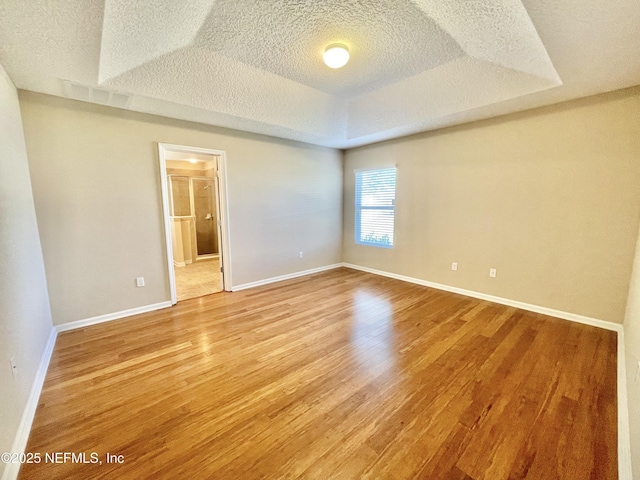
{"x":254,"y":65}
{"x":389,"y":40}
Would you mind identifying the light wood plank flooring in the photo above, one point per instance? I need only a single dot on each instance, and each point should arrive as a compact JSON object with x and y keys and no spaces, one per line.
{"x":341,"y":374}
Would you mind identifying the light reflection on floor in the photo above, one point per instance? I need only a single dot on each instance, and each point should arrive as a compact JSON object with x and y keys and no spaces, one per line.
{"x":372,"y":332}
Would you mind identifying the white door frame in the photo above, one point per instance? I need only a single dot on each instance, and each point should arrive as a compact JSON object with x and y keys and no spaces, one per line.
{"x":225,"y":244}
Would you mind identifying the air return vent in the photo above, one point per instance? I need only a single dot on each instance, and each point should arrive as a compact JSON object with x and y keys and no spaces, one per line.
{"x":86,"y":93}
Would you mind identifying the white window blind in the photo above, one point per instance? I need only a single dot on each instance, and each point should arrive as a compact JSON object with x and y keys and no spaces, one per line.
{"x":375,"y":206}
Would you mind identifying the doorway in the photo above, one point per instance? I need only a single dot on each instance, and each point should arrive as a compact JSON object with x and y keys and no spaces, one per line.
{"x":205,"y":212}
{"x":196,"y":222}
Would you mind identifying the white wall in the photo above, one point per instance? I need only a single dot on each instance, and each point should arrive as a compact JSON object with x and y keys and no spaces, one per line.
{"x":96,"y":183}
{"x":25,"y":317}
{"x":632,"y":352}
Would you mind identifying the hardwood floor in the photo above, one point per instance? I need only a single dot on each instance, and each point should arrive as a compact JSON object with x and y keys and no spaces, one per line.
{"x":341,"y":374}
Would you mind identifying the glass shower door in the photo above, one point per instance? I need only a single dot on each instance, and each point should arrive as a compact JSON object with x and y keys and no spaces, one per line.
{"x":205,"y":214}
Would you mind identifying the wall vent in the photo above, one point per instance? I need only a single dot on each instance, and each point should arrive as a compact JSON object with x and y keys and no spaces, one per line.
{"x":86,"y":93}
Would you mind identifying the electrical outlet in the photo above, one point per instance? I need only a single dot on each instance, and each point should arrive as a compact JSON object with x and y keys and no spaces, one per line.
{"x":14,"y":367}
{"x":492,"y":272}
{"x":454,"y":266}
{"x":300,"y":255}
{"x":140,"y":282}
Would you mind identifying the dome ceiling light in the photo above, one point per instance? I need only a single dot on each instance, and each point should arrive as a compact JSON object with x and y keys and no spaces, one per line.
{"x":336,"y":55}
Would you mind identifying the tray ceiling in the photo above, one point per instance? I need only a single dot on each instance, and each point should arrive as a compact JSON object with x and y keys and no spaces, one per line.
{"x":257,"y":66}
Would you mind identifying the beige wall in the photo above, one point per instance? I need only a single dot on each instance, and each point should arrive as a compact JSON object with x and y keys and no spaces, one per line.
{"x":550,"y":198}
{"x":95,"y":177}
{"x":632,"y":352}
{"x":25,"y":317}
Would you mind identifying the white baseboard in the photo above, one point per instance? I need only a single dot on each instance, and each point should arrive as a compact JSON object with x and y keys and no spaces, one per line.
{"x":179,"y":264}
{"x":289,"y":276}
{"x":624,"y":438}
{"x":624,"y":446}
{"x":29,"y":412}
{"x":594,"y":322}
{"x":111,"y":316}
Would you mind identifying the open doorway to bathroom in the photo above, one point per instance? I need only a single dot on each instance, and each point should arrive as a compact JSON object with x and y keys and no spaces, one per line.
{"x":195,"y":220}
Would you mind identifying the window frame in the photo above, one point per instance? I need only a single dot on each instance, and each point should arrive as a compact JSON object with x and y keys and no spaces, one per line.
{"x":359,"y":207}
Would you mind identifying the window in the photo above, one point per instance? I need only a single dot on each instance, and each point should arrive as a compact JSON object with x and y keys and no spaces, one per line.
{"x":375,"y":206}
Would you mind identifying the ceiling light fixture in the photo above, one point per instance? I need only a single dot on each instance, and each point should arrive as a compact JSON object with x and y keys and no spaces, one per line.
{"x":193,"y":160}
{"x":336,"y":55}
